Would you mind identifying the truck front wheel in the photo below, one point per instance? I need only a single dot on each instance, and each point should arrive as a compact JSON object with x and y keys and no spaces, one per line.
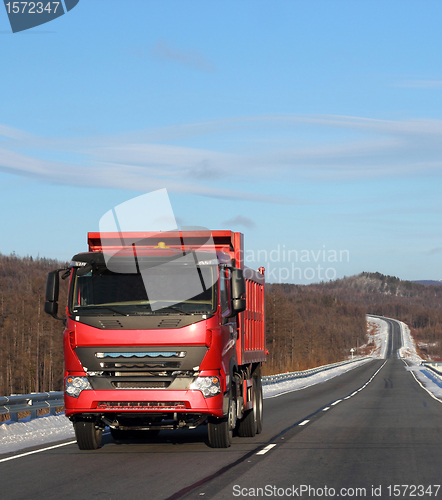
{"x":88,"y":434}
{"x":220,"y":430}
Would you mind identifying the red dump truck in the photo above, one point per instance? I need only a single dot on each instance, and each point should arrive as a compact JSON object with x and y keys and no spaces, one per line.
{"x":162,"y":331}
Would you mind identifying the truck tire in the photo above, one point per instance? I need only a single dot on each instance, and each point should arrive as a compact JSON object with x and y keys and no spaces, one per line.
{"x":88,"y":434}
{"x":248,"y":424}
{"x":251,"y":423}
{"x":220,"y":436}
{"x":220,"y":430}
{"x":259,"y":404}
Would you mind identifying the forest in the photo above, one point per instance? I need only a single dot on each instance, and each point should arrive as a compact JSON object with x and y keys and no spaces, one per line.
{"x":417,"y":305}
{"x":306,"y":326}
{"x":31,"y":355}
{"x":305,"y":329}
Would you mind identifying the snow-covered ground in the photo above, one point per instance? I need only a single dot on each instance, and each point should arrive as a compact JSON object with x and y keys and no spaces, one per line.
{"x":274,"y":390}
{"x":28,"y":433}
{"x":377,"y":334}
{"x":429,"y":380}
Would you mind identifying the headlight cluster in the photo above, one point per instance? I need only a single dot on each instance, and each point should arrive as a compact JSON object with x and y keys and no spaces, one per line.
{"x":209,"y":386}
{"x":74,"y":386}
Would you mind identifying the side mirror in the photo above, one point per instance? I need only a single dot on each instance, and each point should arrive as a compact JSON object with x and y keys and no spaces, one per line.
{"x":52,"y":286}
{"x":51,"y":296}
{"x":238,"y":290}
{"x":51,"y":308}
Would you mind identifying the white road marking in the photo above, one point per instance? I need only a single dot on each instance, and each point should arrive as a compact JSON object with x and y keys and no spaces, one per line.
{"x":37,"y":451}
{"x":336,"y":402}
{"x":43,"y":449}
{"x":304,"y":422}
{"x":266,"y":449}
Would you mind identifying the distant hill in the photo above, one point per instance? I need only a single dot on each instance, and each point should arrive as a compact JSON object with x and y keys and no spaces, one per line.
{"x":374,"y":291}
{"x":368,"y":288}
{"x":429,"y":282}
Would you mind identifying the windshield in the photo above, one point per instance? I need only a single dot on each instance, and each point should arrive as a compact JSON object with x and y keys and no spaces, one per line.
{"x":165,"y":289}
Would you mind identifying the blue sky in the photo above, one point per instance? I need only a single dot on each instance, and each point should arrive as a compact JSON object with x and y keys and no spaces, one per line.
{"x":309,"y":126}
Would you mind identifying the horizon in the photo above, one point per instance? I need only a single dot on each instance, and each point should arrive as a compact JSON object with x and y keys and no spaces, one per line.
{"x":430,"y":280}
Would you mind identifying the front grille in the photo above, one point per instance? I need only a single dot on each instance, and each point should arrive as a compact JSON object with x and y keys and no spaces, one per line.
{"x":141,"y":385}
{"x":141,"y":405}
{"x":128,"y":366}
{"x":141,"y":374}
{"x":144,"y":354}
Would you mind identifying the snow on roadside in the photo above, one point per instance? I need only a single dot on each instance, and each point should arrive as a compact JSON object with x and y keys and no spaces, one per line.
{"x":408,"y":349}
{"x":273,"y":390}
{"x":26,"y":433}
{"x":430,"y":380}
{"x":379,"y":338}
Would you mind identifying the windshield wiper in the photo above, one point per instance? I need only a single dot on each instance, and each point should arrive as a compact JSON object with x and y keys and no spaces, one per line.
{"x":88,"y":308}
{"x":174,"y":308}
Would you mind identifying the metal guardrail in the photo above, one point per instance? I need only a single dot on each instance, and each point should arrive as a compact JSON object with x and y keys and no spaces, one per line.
{"x":31,"y":402}
{"x":435,"y":366}
{"x":273,"y":379}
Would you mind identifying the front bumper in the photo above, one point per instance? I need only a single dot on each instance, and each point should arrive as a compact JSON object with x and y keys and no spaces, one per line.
{"x":143,"y":402}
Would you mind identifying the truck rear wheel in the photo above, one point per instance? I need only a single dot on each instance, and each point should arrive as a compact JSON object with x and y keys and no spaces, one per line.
{"x":259,"y":405}
{"x":247,"y":425}
{"x":251,"y":423}
{"x":88,"y":434}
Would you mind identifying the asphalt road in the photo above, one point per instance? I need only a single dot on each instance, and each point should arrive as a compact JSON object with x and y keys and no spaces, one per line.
{"x":386,"y":433}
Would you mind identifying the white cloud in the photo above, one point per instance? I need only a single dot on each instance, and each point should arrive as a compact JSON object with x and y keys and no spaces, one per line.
{"x":119,"y":176}
{"x":148,"y":160}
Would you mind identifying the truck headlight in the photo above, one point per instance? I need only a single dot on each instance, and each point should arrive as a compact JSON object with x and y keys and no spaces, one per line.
{"x":74,"y":386}
{"x":209,"y":386}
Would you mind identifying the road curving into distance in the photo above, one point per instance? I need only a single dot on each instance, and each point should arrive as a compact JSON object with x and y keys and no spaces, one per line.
{"x":372,"y":432}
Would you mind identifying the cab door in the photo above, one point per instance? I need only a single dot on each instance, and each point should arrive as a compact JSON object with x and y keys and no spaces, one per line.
{"x":228,"y":323}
